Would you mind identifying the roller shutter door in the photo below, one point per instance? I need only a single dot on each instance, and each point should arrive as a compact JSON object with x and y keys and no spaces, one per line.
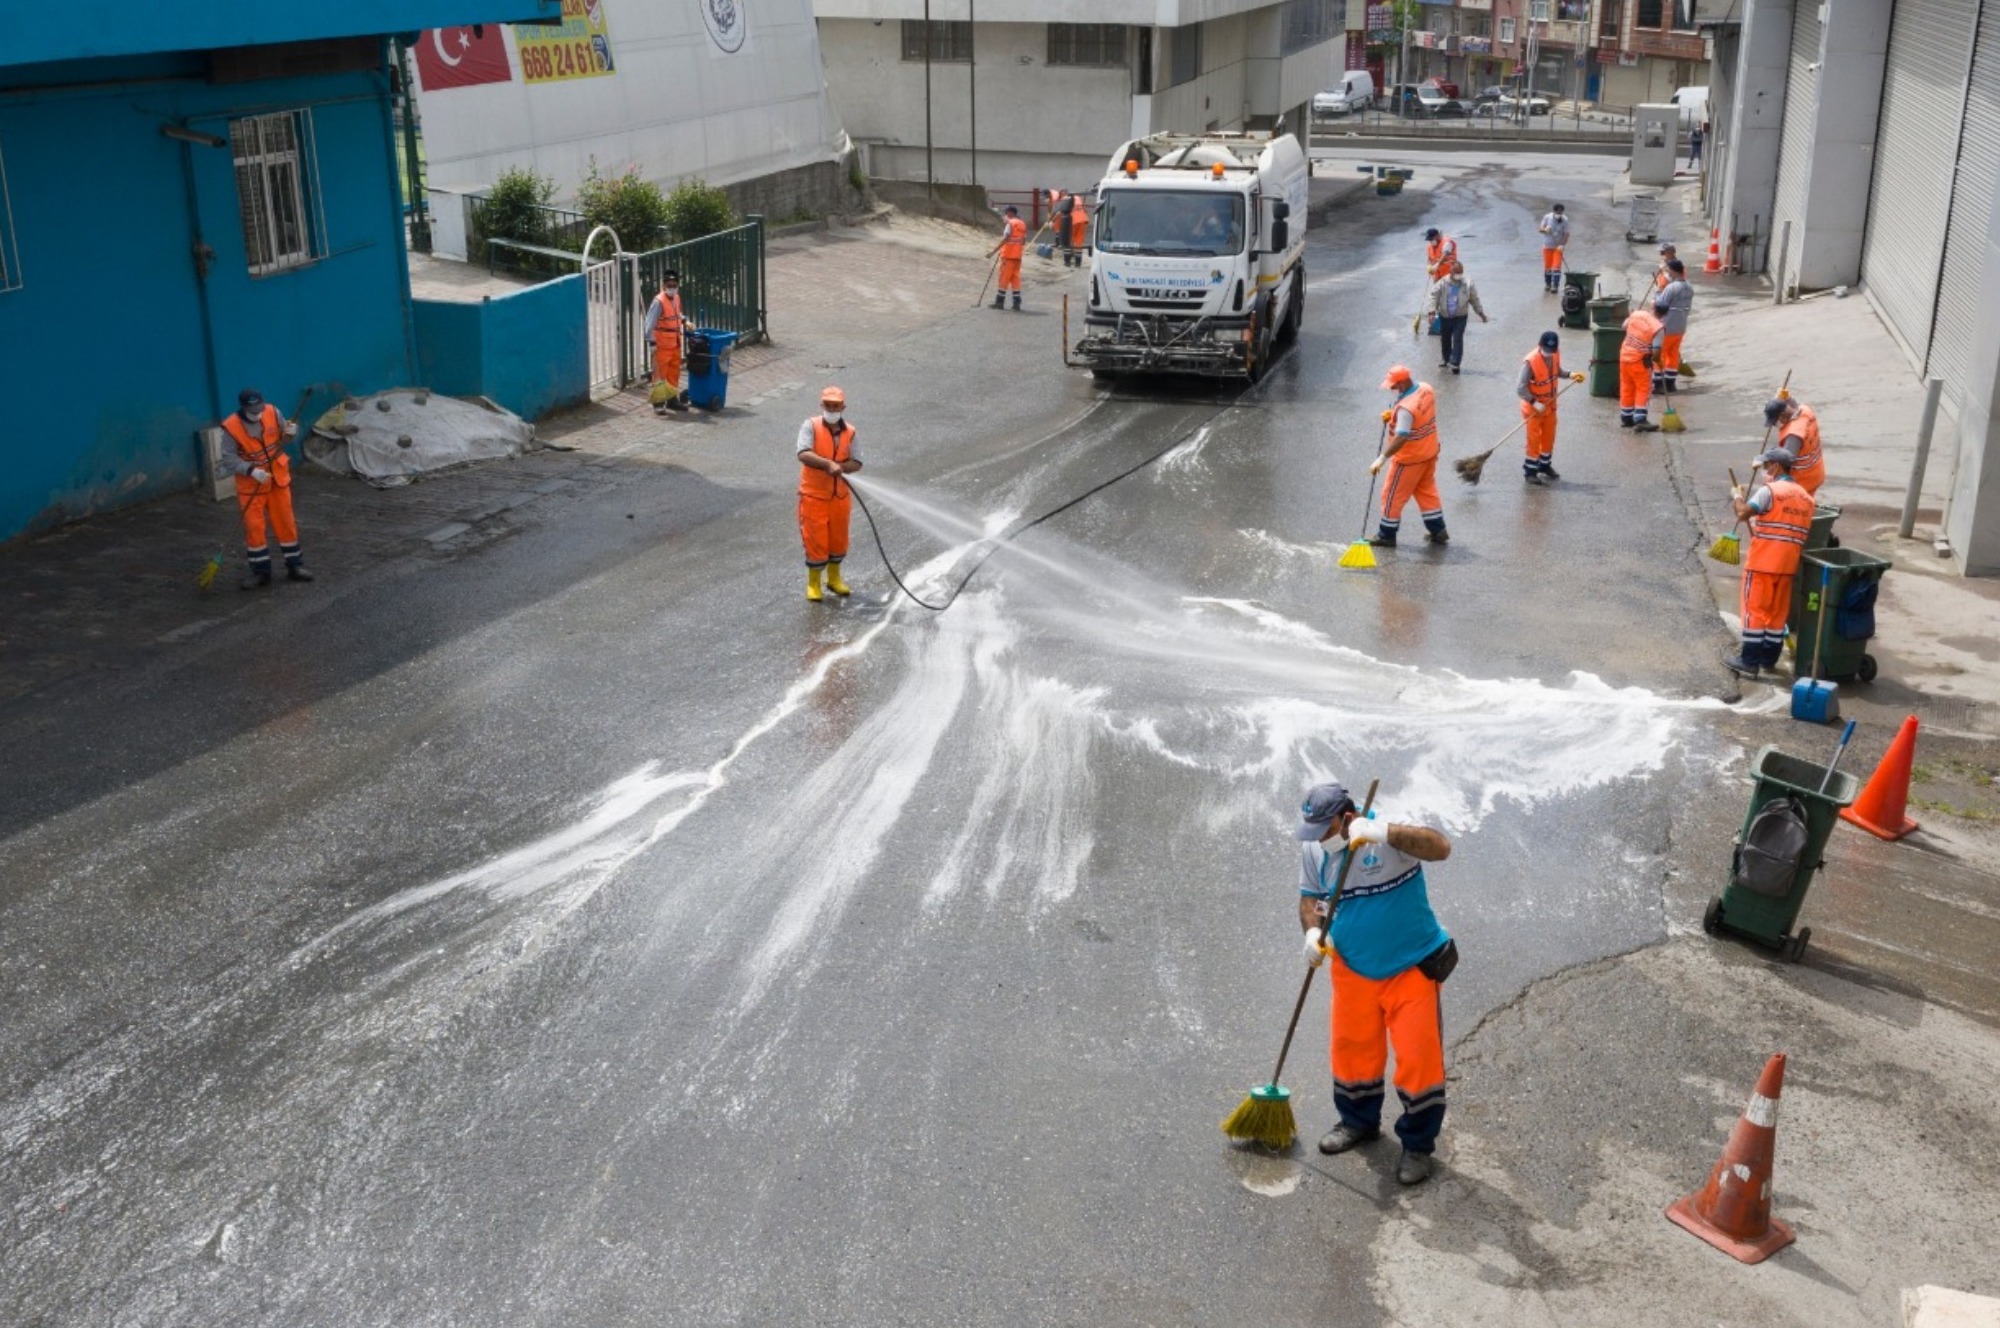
{"x":1916,"y":149}
{"x":1971,"y":209}
{"x":1795,"y":154}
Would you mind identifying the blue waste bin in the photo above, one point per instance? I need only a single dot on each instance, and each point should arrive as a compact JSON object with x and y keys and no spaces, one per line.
{"x":708,"y":367}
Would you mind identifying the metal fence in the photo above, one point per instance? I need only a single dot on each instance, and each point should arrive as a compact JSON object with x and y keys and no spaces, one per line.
{"x":1567,"y":122}
{"x":542,"y":226}
{"x":722,"y":288}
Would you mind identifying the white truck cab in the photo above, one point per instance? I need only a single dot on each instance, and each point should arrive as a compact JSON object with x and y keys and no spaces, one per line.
{"x":1197,"y":255}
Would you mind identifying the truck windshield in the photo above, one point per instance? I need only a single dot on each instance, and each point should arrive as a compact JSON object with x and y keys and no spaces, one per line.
{"x":1154,"y":221}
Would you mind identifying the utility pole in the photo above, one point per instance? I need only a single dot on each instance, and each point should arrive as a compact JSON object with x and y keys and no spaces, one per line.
{"x":972,"y":79}
{"x":930,"y":163}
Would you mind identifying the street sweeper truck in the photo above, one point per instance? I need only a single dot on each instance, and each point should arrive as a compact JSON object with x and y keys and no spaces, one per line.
{"x":1197,"y":257}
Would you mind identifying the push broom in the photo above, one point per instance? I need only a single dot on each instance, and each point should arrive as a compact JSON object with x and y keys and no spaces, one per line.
{"x":1727,"y":549}
{"x":1266,"y":1115}
{"x":1360,"y":555}
{"x":1471,"y":468}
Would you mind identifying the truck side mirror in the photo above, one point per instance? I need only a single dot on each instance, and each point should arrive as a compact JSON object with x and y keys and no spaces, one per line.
{"x":1281,"y":231}
{"x":1281,"y":210}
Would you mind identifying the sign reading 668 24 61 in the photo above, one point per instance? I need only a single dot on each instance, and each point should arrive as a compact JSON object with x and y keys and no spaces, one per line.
{"x":578,"y":47}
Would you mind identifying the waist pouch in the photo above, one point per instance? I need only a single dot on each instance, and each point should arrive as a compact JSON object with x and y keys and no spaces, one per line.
{"x":1439,"y":963}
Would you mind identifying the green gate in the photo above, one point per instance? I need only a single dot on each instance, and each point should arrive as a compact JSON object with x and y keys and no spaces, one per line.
{"x":722,"y":287}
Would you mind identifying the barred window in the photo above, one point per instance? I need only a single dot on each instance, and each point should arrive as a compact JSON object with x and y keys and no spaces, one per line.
{"x":1087,"y":44}
{"x":10,"y":261}
{"x":951,"y":41}
{"x":1310,"y":22}
{"x":1652,"y":14}
{"x":277,"y":187}
{"x":1185,"y":55}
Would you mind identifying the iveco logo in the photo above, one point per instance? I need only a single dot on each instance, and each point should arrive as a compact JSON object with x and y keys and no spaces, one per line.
{"x":1161,"y":293}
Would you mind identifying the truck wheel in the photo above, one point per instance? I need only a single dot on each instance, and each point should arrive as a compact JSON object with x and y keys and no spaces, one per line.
{"x":1295,"y":313}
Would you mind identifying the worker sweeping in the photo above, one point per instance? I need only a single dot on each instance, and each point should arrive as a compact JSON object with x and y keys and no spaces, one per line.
{"x":264,"y":487}
{"x":1440,"y":252}
{"x":1637,"y":355}
{"x":1079,"y":229}
{"x":1798,"y":433}
{"x":1389,"y":959}
{"x":1780,"y":514}
{"x":1679,"y":298}
{"x":1661,"y":276}
{"x":1538,"y":386}
{"x":1410,"y":454}
{"x":666,"y":333}
{"x":826,"y":452}
{"x":1012,"y":244}
{"x":1554,"y":228}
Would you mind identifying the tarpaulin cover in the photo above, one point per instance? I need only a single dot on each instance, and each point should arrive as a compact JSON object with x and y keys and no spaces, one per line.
{"x":396,"y":436}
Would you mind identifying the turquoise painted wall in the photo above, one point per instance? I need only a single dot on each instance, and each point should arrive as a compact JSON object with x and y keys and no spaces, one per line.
{"x":529,"y":351}
{"x":116,"y":351}
{"x":93,"y":29}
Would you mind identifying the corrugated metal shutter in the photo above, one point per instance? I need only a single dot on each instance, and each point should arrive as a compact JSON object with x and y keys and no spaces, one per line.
{"x":1971,"y":209}
{"x":1916,"y":147}
{"x":1795,"y":155}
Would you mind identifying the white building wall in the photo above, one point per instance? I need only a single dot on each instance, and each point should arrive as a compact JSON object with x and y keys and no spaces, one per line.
{"x":675,"y":105}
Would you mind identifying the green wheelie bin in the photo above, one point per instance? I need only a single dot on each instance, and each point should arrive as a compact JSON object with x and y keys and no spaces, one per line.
{"x":1818,"y":536}
{"x":1850,"y":580}
{"x":1792,"y":810}
{"x":1610,"y":311}
{"x":1604,"y":345}
{"x":1579,"y":289}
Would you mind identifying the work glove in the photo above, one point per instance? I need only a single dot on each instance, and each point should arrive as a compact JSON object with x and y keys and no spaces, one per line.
{"x":1576,"y":377}
{"x":1361,"y":832}
{"x":1388,"y":415}
{"x":1541,"y":409}
{"x":1315,"y":952}
{"x":1375,"y":466}
{"x":1736,"y":492}
{"x":260,"y":475}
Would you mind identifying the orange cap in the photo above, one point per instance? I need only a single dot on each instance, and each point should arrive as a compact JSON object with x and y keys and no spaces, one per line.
{"x":1398,"y":376}
{"x":834,"y":397}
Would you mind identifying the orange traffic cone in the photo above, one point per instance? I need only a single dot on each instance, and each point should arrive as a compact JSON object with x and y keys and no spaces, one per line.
{"x":1879,"y":810}
{"x":1733,"y":1211}
{"x":1714,"y":263}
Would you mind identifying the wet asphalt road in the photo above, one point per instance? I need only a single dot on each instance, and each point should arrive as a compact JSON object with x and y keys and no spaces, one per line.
{"x":587,"y":930}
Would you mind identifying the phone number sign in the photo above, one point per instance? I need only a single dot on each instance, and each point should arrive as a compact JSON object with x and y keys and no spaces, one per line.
{"x":578,"y":47}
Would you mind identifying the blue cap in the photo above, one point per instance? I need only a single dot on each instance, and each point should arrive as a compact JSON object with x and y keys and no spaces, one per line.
{"x":1323,"y":804}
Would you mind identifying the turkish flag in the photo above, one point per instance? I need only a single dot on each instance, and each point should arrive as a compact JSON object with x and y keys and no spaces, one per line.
{"x":462,"y":57}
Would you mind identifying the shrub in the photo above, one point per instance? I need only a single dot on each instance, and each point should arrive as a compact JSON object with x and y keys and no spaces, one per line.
{"x":695,"y":209}
{"x":632,"y":206}
{"x":513,"y":209}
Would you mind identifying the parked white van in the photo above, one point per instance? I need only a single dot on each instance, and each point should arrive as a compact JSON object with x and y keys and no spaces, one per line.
{"x":1694,"y":106}
{"x":1355,"y":93}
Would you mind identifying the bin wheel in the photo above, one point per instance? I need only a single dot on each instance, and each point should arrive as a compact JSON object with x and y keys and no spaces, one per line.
{"x":1795,"y":948}
{"x":1711,"y":918}
{"x":1867,"y":669}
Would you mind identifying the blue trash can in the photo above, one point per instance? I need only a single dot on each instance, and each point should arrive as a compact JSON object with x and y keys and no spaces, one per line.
{"x":708,"y":367}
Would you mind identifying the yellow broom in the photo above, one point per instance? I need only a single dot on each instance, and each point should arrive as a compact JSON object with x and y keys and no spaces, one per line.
{"x":206,"y":577}
{"x":1671,"y":422}
{"x":1265,"y":1116}
{"x":1360,"y":555}
{"x":1726,"y":548}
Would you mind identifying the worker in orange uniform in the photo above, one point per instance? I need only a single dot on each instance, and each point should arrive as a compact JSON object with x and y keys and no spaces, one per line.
{"x":666,"y":333}
{"x":826,"y":452}
{"x":264,"y":487}
{"x":1390,"y":958}
{"x":1661,"y":274}
{"x":1780,"y":514}
{"x":1079,"y":230}
{"x":1410,"y":453}
{"x":1554,"y":227}
{"x":1440,"y":252}
{"x":1798,"y":433}
{"x":1012,"y":244}
{"x":1637,"y":355}
{"x":1541,"y":374}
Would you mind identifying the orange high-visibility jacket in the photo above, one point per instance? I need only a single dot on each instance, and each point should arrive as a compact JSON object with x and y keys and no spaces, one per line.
{"x":266,"y":453}
{"x":1440,"y":253}
{"x":1805,"y":427}
{"x":1642,"y":336}
{"x":1544,"y":372}
{"x":1778,"y":537}
{"x":667,"y":320}
{"x":1422,"y":444}
{"x":1016,"y":238}
{"x":814,"y":483}
{"x":1079,"y":221}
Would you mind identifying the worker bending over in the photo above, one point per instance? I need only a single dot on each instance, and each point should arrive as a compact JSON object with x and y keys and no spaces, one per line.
{"x":1410,"y":451}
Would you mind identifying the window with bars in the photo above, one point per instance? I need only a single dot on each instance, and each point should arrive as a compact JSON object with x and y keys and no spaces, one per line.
{"x":951,"y":41}
{"x":276,"y":190}
{"x":1087,"y":44}
{"x":1185,"y":55}
{"x":1652,"y":14}
{"x":10,"y":260}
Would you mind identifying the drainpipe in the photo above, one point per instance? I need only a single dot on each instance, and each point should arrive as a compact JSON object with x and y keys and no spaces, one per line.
{"x":203,"y":256}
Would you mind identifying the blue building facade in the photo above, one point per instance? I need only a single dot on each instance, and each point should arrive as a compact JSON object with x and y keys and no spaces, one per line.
{"x":193,"y":199}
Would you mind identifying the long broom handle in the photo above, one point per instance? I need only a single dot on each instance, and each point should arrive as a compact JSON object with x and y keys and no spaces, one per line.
{"x":1522,"y":424}
{"x":1368,"y":506}
{"x":1306,"y":986}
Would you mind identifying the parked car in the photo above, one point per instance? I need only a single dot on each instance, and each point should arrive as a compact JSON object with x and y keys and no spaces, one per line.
{"x":1401,"y":99}
{"x":1427,"y":100}
{"x":1449,"y":108}
{"x":1445,"y":86}
{"x":1488,"y":95}
{"x":1536,"y":105}
{"x":1355,"y":93}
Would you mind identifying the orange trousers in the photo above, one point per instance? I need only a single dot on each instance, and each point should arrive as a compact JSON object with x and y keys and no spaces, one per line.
{"x":1635,"y":389}
{"x":1405,"y":480}
{"x":1810,"y":480}
{"x":1765,"y":603}
{"x":272,"y":502}
{"x":1670,"y":353}
{"x":1369,"y":1016}
{"x":1010,"y":274}
{"x":823,"y":527}
{"x":1541,"y":431}
{"x":1552,"y":260}
{"x":666,"y":370}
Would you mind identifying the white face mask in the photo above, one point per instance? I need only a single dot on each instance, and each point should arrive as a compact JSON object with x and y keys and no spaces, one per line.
{"x":832,"y":417}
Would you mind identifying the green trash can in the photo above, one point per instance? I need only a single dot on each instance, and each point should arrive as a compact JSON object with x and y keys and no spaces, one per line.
{"x":1852,"y":580}
{"x":1604,"y":345}
{"x":1818,"y":536}
{"x":1579,"y":289}
{"x":1764,"y":910}
{"x":1610,"y":311}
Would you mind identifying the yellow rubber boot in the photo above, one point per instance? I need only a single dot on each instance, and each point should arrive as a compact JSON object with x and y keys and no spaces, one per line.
{"x":812,"y":584}
{"x":833,"y":581}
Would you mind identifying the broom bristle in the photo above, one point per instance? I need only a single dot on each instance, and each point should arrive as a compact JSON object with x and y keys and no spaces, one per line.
{"x":1264,"y":1120}
{"x":1725,"y":550}
{"x":1470,"y":468}
{"x":1359,"y":554}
